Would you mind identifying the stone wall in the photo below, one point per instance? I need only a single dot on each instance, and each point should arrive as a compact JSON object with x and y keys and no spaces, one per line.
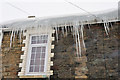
{"x":102,"y":51}
{"x":11,"y":56}
{"x":99,"y":61}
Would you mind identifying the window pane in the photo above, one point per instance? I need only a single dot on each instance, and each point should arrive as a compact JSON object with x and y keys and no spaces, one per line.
{"x":32,"y":56}
{"x":37,"y":62}
{"x":39,"y":39}
{"x":33,"y":38}
{"x":43,"y":49}
{"x":42,"y":69}
{"x":43,"y":55}
{"x":44,"y":41}
{"x":38,"y":49}
{"x":32,"y":62}
{"x":42,"y":62}
{"x":33,"y":42}
{"x":31,"y":69}
{"x":37,"y":56}
{"x":36,"y":69}
{"x":33,"y":49}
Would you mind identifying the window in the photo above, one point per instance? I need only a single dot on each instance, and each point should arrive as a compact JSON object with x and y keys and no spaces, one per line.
{"x":37,"y":54}
{"x":36,"y":60}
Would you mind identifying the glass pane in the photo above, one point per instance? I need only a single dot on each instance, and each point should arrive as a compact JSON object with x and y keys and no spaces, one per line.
{"x":44,"y":41}
{"x":37,"y":62}
{"x":32,"y":56}
{"x":43,"y":55}
{"x":36,"y":69}
{"x":31,"y":69}
{"x":39,"y":39}
{"x":43,"y":49}
{"x":33,"y":38}
{"x":37,"y":56}
{"x":32,"y":62}
{"x":33,"y":49}
{"x":42,"y":62}
{"x":42,"y":69}
{"x":38,"y":49}
{"x":33,"y":42}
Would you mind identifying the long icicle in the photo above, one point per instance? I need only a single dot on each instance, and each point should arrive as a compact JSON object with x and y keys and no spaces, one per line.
{"x":20,"y":36}
{"x":56,"y":33}
{"x":76,"y":41}
{"x":89,"y":26}
{"x":107,"y":25}
{"x":63,"y":30}
{"x":79,"y":45}
{"x":11,"y":38}
{"x":82,"y":27}
{"x":105,"y":28}
{"x":111,"y":25}
{"x":66,"y":29}
{"x":73,"y":31}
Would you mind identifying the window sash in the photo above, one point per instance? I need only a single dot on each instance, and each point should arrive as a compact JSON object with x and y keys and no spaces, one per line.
{"x":30,"y":52}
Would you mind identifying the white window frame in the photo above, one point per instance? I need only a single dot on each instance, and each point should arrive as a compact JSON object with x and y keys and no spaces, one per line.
{"x":29,"y":55}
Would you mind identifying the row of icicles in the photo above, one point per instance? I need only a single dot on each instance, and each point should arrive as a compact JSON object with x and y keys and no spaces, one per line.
{"x":77,"y":31}
{"x":78,"y":34}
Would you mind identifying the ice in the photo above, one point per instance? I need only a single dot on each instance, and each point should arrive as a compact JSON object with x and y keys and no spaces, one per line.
{"x":79,"y":45}
{"x":66,"y":29}
{"x":56,"y":33}
{"x":106,"y":27}
{"x":71,"y":29}
{"x":82,"y":27}
{"x":77,"y":52}
{"x":14,"y":36}
{"x":63,"y":30}
{"x":11,"y":38}
{"x":76,"y":23}
{"x":61,"y":20}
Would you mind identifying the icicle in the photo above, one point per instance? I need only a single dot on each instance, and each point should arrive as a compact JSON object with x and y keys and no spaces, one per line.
{"x":79,"y":46}
{"x":89,"y":26}
{"x":111,"y":25}
{"x":82,"y":27}
{"x":76,"y":42}
{"x":20,"y":35}
{"x":71,"y":29}
{"x":66,"y":29}
{"x":56,"y":33}
{"x":105,"y":28}
{"x":107,"y":25}
{"x":11,"y":39}
{"x":14,"y":36}
{"x":58,"y":28}
{"x":17,"y":32}
{"x":63,"y":30}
